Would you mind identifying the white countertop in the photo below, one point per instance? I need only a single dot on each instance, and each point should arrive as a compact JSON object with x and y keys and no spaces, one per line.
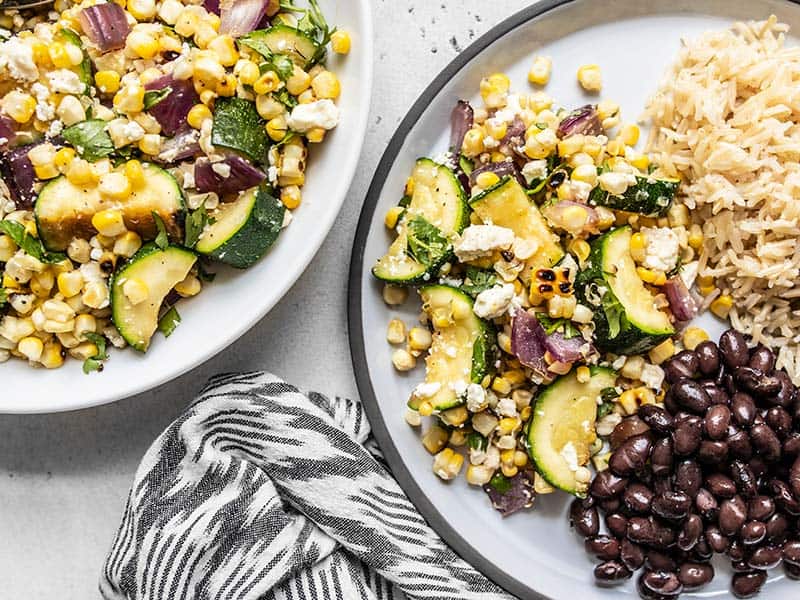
{"x":64,"y":478}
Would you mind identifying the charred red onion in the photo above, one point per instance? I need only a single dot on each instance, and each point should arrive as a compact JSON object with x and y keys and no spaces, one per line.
{"x":106,"y":25}
{"x":19,"y":176}
{"x":680,"y":299}
{"x":240,"y":17}
{"x":231,"y":175}
{"x":583,"y":120}
{"x":172,"y":112}
{"x":461,"y":120}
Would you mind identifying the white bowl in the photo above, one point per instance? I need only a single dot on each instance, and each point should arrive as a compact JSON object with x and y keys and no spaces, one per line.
{"x":534,"y":552}
{"x":236,"y":300}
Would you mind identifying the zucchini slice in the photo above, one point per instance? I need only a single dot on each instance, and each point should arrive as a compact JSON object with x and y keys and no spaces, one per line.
{"x":159,"y":270}
{"x":626,"y":318}
{"x":244,"y":230}
{"x":561,"y":429}
{"x":64,"y":211}
{"x":507,"y":205}
{"x":282,"y":39}
{"x":649,"y":196}
{"x":463,"y":345}
{"x":440,"y":200}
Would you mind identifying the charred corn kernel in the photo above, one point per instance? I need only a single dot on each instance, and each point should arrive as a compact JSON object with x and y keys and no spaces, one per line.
{"x":520,"y":458}
{"x":662,"y":353}
{"x":142,"y":44}
{"x":291,"y":196}
{"x":638,"y":245}
{"x":52,"y":355}
{"x":249,"y":73}
{"x":59,"y":55}
{"x":425,"y":409}
{"x":277,"y":128}
{"x":225,"y":49}
{"x":561,"y":307}
{"x":63,"y":158}
{"x":501,"y":385}
{"x":586,"y":174}
{"x":705,"y":280}
{"x":107,"y":81}
{"x":393,"y":216}
{"x":494,"y":90}
{"x":458,"y":438}
{"x":169,"y":43}
{"x":197,"y":114}
{"x":507,"y":425}
{"x":615,"y":148}
{"x":455,"y":417}
{"x":507,"y":457}
{"x":590,"y":77}
{"x":298,"y":82}
{"x":150,"y":144}
{"x":574,"y":217}
{"x":142,"y":10}
{"x":268,"y":107}
{"x":413,"y":417}
{"x":629,"y":134}
{"x":84,"y":324}
{"x":583,"y":374}
{"x":514,"y":376}
{"x":31,"y":348}
{"x":435,"y":438}
{"x":722,"y":306}
{"x":46,"y":171}
{"x":657,"y":278}
{"x":473,"y":142}
{"x":403,"y":360}
{"x":496,"y":128}
{"x":186,"y":23}
{"x":79,"y":250}
{"x":487,"y":179}
{"x":394,"y":295}
{"x":189,"y":287}
{"x":19,"y":106}
{"x":130,"y":99}
{"x":115,"y":186}
{"x":509,"y":471}
{"x":109,"y":222}
{"x":581,"y":249}
{"x":540,"y":70}
{"x":7,"y":248}
{"x":127,"y":244}
{"x":80,"y":172}
{"x":208,"y":97}
{"x":83,"y":351}
{"x":226,"y":88}
{"x":607,"y":109}
{"x":504,"y":341}
{"x":627,"y":400}
{"x":316,"y":135}
{"x":693,"y":336}
{"x":95,"y":294}
{"x":419,"y":338}
{"x":479,"y":474}
{"x":41,"y":53}
{"x":135,"y":173}
{"x":396,"y":332}
{"x":70,"y":284}
{"x":695,"y":237}
{"x":325,"y":85}
{"x":678,"y":215}
{"x":641,"y":162}
{"x":340,"y":42}
{"x":267,"y":83}
{"x":571,"y":145}
{"x":447,"y":464}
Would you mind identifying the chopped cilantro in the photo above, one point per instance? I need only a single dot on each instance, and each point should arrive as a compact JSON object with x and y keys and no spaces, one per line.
{"x":196,"y":221}
{"x":500,"y":483}
{"x":426,"y":244}
{"x":162,"y":239}
{"x":31,"y":245}
{"x":476,"y":441}
{"x":477,"y":281}
{"x":95,"y":363}
{"x":153,"y":97}
{"x":564,"y":326}
{"x":90,"y":139}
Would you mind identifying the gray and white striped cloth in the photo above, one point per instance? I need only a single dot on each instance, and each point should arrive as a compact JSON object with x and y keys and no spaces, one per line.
{"x":259,"y":492}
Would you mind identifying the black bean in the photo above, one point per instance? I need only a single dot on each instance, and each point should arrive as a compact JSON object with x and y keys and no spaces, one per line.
{"x":791,"y":553}
{"x":753,"y":532}
{"x":658,"y":561}
{"x":706,"y":505}
{"x":737,"y":550}
{"x":716,"y":422}
{"x":688,"y":477}
{"x":747,"y":585}
{"x":784,"y":498}
{"x":726,"y":381}
{"x":712,"y":453}
{"x":788,"y":392}
{"x":637,"y":498}
{"x":791,"y":445}
{"x":669,"y":402}
{"x":646,"y":531}
{"x":758,"y":466}
{"x":765,"y":442}
{"x":702,"y":552}
{"x":627,"y":428}
{"x":717,"y":540}
{"x":617,"y":524}
{"x":743,"y":409}
{"x":606,"y":485}
{"x":663,"y":583}
{"x":716,"y":393}
{"x":603,"y":547}
{"x":662,"y":484}
{"x":792,"y":571}
{"x":733,"y":348}
{"x":777,"y":527}
{"x":732,"y":515}
{"x":657,"y":418}
{"x":661,"y":456}
{"x":691,"y":396}
{"x":609,"y":505}
{"x":611,"y":572}
{"x":686,"y":438}
{"x":739,"y":444}
{"x":683,"y":365}
{"x":744,"y":478}
{"x":707,"y":357}
{"x":762,"y":359}
{"x":765,"y":557}
{"x":757,"y":382}
{"x":740,"y":566}
{"x":794,"y":478}
{"x":779,"y":420}
{"x":720,"y":485}
{"x":631,"y":554}
{"x":690,"y":533}
{"x":672,"y":506}
{"x":586,"y":521}
{"x":631,"y":456}
{"x":760,"y":508}
{"x":695,"y":575}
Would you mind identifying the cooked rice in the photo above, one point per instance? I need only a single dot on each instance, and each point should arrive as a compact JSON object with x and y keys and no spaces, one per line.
{"x":726,"y":120}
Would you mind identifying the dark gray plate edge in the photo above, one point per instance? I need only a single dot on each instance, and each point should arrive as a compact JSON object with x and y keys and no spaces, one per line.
{"x":356,"y":333}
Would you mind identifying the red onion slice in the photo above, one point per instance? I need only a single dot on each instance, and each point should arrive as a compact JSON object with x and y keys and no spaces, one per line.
{"x":185,"y":144}
{"x":240,"y":17}
{"x":583,"y":120}
{"x":8,"y":132}
{"x":172,"y":111}
{"x":19,"y":176}
{"x":680,"y":299}
{"x":212,"y":6}
{"x":461,"y":120}
{"x":106,"y":25}
{"x":527,"y":342}
{"x":241,"y":175}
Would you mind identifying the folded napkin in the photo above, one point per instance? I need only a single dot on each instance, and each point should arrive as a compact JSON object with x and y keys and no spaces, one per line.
{"x":260,"y":491}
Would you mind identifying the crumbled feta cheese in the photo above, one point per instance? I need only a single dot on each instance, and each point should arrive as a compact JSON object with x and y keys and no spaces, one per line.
{"x":494,"y":302}
{"x":17,"y":57}
{"x":287,"y":219}
{"x":476,"y":398}
{"x":663,"y":248}
{"x":506,"y":407}
{"x":489,"y":142}
{"x":443,"y":159}
{"x":535,"y":169}
{"x":65,"y":81}
{"x":477,"y":456}
{"x":45,"y":111}
{"x":511,"y":110}
{"x":570,"y":456}
{"x":616,"y":183}
{"x":222,"y":169}
{"x":323,"y":114}
{"x":477,"y":241}
{"x":451,"y":281}
{"x":188,"y":179}
{"x":652,"y":376}
{"x":55,"y":129}
{"x":689,"y":273}
{"x":459,"y":387}
{"x":427,"y":390}
{"x":124,"y":132}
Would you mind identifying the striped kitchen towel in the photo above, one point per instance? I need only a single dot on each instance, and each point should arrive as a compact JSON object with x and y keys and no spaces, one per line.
{"x":259,"y":492}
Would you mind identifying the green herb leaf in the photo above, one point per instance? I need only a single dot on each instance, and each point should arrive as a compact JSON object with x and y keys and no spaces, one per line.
{"x":153,"y":97}
{"x":426,"y":244}
{"x":196,"y":221}
{"x":280,"y":64}
{"x":90,"y":139}
{"x":95,"y":363}
{"x":477,"y":281}
{"x":31,"y":245}
{"x":169,"y":322}
{"x":476,"y":441}
{"x":238,"y":126}
{"x":501,"y":483}
{"x":563,"y":326}
{"x":162,"y":239}
{"x":609,"y":394}
{"x":3,"y":296}
{"x":604,"y":409}
{"x":614,"y":312}
{"x":284,"y":97}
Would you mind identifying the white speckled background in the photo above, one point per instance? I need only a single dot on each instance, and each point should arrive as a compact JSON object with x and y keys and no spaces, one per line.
{"x":64,"y":478}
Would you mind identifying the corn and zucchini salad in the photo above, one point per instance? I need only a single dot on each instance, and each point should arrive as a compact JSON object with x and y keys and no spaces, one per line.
{"x":141,"y":141}
{"x":554,"y":267}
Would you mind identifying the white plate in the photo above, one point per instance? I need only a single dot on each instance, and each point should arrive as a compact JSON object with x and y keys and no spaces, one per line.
{"x":237,"y":300}
{"x":533,"y":552}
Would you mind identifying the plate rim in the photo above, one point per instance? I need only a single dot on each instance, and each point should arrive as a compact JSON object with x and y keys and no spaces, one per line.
{"x":361,"y":125}
{"x":358,"y":357}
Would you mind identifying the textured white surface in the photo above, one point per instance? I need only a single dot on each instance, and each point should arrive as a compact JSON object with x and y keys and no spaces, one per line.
{"x":64,"y":478}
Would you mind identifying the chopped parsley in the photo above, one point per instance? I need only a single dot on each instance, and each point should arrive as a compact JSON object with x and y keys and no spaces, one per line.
{"x":90,"y":139}
{"x":162,"y":239}
{"x":477,"y":281}
{"x":154,"y":97}
{"x":95,"y":363}
{"x":31,"y":245}
{"x":426,"y":244}
{"x":500,"y":483}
